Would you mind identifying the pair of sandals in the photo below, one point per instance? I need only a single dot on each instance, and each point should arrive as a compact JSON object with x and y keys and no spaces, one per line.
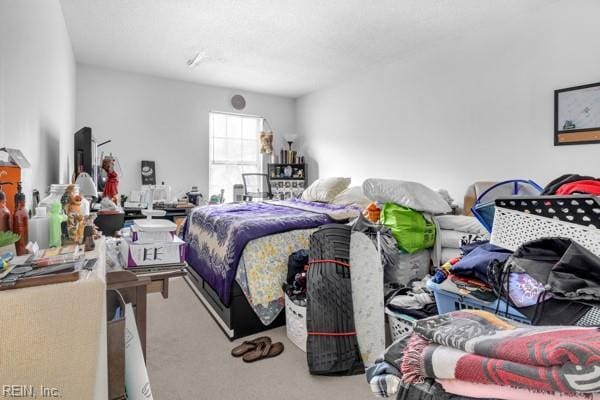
{"x":257,"y":349}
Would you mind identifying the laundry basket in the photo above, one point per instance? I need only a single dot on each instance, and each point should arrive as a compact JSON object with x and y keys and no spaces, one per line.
{"x":295,"y":323}
{"x":519,"y":220}
{"x":400,"y":325}
{"x":447,"y":302}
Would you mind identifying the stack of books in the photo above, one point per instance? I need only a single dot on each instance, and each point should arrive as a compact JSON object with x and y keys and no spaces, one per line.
{"x":152,"y":245}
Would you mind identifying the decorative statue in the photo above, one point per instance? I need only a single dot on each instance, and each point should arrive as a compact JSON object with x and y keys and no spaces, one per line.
{"x":75,"y":218}
{"x":66,"y":197}
{"x":89,"y":232}
{"x":55,"y":219}
{"x":111,"y":187}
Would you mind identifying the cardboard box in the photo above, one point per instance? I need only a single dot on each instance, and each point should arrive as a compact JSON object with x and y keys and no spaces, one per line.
{"x":157,"y":253}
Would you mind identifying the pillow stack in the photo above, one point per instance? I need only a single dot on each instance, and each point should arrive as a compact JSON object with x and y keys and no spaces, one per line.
{"x":324,"y":190}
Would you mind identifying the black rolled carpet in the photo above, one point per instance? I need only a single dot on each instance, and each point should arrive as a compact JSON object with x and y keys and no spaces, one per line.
{"x":332,"y":348}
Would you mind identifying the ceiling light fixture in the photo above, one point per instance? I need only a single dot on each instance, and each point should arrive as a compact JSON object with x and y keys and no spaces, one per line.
{"x":193,"y":62}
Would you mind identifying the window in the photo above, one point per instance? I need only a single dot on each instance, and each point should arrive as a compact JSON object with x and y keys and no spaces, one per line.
{"x":234,"y":150}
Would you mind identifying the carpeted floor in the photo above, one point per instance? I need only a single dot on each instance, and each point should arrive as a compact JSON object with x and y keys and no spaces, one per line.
{"x":188,"y":359}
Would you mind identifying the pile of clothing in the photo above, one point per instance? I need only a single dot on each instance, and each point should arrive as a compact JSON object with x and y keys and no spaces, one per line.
{"x":475,"y":354}
{"x":404,"y":238}
{"x":416,"y":300}
{"x":473,"y":261}
{"x":549,"y":281}
{"x":572,"y":184}
{"x":295,"y":285}
{"x":406,"y":210}
{"x":412,"y":234}
{"x":453,"y":232}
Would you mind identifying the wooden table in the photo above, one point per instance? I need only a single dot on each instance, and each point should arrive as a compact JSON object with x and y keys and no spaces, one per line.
{"x":134,"y":287}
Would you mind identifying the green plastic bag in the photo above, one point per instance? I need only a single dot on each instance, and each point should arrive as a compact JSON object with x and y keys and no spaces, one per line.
{"x":410,"y":229}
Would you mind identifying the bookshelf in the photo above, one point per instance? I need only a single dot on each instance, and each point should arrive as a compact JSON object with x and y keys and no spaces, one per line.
{"x":288,"y":180}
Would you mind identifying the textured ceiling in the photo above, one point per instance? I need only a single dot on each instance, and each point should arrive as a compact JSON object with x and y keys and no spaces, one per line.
{"x":286,"y":47}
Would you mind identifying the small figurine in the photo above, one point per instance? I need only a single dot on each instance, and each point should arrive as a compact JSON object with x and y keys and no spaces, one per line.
{"x":111,"y":187}
{"x":55,"y":219}
{"x":89,"y":233}
{"x":65,"y":198}
{"x":75,"y":221}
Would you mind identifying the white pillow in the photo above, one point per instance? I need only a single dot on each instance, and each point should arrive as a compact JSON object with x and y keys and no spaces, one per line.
{"x":325,"y":189}
{"x":352,"y":195}
{"x":408,"y":194}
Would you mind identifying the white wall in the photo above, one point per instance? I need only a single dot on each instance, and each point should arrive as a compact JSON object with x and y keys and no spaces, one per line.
{"x":37,"y":89}
{"x":476,"y":108}
{"x":150,"y":118}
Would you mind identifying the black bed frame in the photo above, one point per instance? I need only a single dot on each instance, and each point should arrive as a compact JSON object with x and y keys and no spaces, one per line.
{"x":238,"y":319}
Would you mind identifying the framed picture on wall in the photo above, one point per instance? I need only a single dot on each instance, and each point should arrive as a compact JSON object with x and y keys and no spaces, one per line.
{"x":148,"y":173}
{"x":577,"y":115}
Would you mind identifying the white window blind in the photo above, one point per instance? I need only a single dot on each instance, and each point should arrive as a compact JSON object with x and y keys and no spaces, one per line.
{"x":233,"y":150}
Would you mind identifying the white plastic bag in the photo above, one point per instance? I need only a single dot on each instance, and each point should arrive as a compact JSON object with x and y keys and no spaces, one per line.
{"x":137,"y":383}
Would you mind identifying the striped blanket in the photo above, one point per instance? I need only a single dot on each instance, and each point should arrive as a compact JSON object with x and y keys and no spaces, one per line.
{"x":479,"y":347}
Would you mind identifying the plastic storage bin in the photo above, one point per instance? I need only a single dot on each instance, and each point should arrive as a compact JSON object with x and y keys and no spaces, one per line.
{"x":399,"y":324}
{"x":448,"y":302}
{"x":522,"y":219}
{"x":295,"y":323}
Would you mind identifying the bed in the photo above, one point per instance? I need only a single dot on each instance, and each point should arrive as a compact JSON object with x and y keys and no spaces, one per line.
{"x":238,"y":255}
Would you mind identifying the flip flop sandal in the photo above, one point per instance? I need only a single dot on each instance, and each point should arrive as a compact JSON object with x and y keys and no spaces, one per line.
{"x":264,"y":351}
{"x":249,"y":345}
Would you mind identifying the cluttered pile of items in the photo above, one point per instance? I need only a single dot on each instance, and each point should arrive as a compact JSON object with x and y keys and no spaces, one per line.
{"x":341,"y":280}
{"x":150,"y":245}
{"x":46,"y":245}
{"x":518,"y":310}
{"x":58,"y":229}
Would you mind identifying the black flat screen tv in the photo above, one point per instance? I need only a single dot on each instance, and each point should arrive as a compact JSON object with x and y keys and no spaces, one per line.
{"x":84,"y":156}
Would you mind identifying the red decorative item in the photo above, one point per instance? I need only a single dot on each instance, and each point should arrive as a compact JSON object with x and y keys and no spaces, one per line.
{"x":111,"y":187}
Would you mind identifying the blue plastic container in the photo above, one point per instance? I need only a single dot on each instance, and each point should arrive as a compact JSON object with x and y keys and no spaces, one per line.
{"x":447,"y":302}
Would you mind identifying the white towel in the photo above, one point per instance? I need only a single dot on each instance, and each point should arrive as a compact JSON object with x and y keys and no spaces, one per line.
{"x":460,"y":223}
{"x":451,"y":239}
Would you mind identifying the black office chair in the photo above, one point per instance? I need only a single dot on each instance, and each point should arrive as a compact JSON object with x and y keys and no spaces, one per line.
{"x":256,"y":186}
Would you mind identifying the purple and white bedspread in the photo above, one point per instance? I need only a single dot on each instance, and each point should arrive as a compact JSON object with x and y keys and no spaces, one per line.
{"x":217,"y":235}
